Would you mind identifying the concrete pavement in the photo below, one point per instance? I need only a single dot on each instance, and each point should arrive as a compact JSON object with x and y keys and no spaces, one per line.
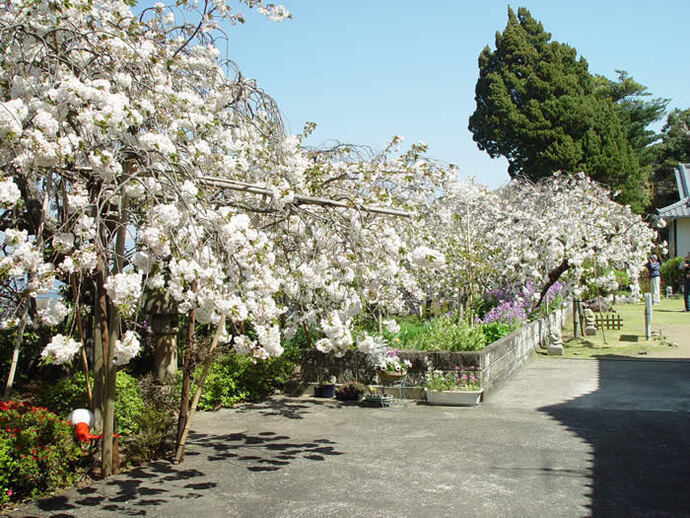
{"x":561,"y":438}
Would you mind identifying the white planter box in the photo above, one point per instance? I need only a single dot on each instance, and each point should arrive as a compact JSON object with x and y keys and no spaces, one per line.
{"x":454,"y":397}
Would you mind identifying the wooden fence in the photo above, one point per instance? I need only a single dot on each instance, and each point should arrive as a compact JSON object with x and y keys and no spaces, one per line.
{"x":609,"y":321}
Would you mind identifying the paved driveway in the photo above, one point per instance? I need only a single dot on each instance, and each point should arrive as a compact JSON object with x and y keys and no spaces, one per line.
{"x":562,"y":438}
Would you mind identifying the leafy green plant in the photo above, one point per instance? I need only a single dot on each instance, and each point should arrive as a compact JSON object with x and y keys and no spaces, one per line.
{"x":671,"y":274}
{"x":8,"y":465}
{"x":447,"y":334}
{"x":66,"y":394}
{"x":233,"y":378}
{"x":39,"y":452}
{"x":413,"y":331}
{"x":494,"y":331}
{"x":156,"y":423}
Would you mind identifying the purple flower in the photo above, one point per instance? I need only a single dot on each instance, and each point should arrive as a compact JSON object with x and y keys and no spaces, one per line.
{"x":508,"y":312}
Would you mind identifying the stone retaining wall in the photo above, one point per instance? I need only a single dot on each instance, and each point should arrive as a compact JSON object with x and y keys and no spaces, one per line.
{"x":496,"y":361}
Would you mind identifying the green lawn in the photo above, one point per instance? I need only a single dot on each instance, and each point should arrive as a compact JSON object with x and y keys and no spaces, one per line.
{"x":667,"y":319}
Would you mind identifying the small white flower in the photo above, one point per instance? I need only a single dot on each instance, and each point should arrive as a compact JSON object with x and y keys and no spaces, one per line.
{"x":126,"y":349}
{"x":61,"y":349}
{"x":9,"y":192}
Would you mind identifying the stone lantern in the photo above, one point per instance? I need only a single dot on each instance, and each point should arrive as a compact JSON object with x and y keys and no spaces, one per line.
{"x":162,"y":314}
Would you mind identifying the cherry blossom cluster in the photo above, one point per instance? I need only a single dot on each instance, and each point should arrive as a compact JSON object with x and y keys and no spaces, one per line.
{"x":564,"y":228}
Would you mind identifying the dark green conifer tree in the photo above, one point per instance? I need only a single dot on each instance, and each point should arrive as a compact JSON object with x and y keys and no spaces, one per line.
{"x":538,"y":106}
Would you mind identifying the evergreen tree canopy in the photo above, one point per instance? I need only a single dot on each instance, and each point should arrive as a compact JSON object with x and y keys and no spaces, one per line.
{"x":636,"y":112}
{"x":673,"y":148}
{"x":538,"y":106}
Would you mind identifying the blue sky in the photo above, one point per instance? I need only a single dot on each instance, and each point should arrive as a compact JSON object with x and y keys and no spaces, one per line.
{"x":364,"y":70}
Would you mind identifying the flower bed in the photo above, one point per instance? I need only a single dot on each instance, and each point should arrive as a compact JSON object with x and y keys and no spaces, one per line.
{"x":494,"y":363}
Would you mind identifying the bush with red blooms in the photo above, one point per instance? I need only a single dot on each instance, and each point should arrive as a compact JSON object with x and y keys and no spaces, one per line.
{"x":38,"y":451}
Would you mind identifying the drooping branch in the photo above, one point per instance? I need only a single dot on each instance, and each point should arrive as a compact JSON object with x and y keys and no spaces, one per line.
{"x":299,"y":199}
{"x":554,"y":275}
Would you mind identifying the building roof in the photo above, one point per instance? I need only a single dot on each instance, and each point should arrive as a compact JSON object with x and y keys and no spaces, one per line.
{"x":680,"y":209}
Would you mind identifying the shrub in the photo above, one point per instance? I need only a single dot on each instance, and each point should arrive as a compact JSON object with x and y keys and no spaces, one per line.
{"x":129,"y":405}
{"x":496,"y":330}
{"x":38,"y":452}
{"x":155,"y":438}
{"x":66,"y":394}
{"x":481,"y":305}
{"x":233,"y":378}
{"x":156,"y":423}
{"x":8,"y":465}
{"x":671,"y":275}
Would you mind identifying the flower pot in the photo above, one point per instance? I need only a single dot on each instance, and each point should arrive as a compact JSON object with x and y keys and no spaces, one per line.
{"x":326,"y":391}
{"x":388,"y":377}
{"x":453,"y":397}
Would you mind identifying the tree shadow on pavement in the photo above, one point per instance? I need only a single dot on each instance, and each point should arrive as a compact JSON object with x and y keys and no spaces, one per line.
{"x":161,"y":483}
{"x":265,"y":451}
{"x":289,"y":408}
{"x":637,"y":423}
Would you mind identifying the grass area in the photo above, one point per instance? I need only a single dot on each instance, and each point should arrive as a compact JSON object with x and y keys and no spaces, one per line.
{"x":631,"y":339}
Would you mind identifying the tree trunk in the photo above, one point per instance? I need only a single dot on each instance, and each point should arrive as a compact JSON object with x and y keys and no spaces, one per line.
{"x":98,"y":368}
{"x":179,"y":454}
{"x":307,"y":334}
{"x":82,"y":339}
{"x":111,"y":457}
{"x":187,"y":368}
{"x":109,"y":374}
{"x":554,"y":275}
{"x":15,"y":353}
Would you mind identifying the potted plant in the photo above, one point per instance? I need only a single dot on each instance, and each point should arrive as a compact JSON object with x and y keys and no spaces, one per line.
{"x":390,"y":367}
{"x":326,"y":390}
{"x":376,"y":397}
{"x":350,"y":391}
{"x":459,"y":387}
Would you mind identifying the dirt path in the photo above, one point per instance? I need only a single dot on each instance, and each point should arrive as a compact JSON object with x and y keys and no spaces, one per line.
{"x":676,"y":334}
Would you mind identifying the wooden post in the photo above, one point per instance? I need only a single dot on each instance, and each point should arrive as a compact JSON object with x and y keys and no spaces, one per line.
{"x":648,"y":315}
{"x":575,"y":321}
